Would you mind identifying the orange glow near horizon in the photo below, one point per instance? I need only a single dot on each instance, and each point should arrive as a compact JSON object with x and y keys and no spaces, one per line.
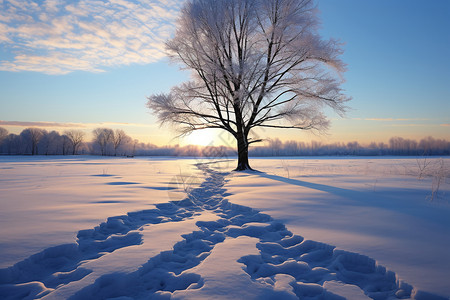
{"x":343,"y":131}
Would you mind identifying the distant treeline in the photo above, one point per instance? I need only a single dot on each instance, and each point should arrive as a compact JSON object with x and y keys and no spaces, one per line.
{"x":36,"y":141}
{"x":108,"y":142}
{"x":396,"y":146}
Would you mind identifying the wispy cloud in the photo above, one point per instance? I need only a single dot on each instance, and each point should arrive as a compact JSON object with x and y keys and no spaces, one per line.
{"x":393,"y":119}
{"x":41,"y":124}
{"x":411,"y":125}
{"x":445,"y":125}
{"x":60,"y":36}
{"x":71,"y":125}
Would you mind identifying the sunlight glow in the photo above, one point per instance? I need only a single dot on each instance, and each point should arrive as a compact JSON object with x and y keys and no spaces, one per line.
{"x":204,"y":137}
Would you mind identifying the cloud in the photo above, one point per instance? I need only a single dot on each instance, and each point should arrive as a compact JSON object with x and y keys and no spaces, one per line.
{"x":41,"y":124}
{"x":72,"y":125}
{"x":61,"y":36}
{"x":411,"y":125}
{"x":445,"y":125}
{"x":393,"y":119}
{"x":113,"y":124}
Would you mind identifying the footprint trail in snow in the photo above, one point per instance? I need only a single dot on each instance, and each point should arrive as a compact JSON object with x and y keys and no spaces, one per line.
{"x":202,"y":247}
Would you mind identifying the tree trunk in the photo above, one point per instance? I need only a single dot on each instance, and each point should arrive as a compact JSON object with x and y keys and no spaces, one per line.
{"x":242,"y":145}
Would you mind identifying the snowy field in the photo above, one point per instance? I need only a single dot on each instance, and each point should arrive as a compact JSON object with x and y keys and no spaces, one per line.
{"x":146,"y":228}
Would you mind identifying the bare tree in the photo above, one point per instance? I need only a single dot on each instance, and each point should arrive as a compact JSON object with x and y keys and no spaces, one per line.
{"x":119,"y":138}
{"x":50,"y":143}
{"x":44,"y":144}
{"x":76,"y":138}
{"x":66,"y":143}
{"x":33,"y":136}
{"x":255,"y":63}
{"x":103,"y":137}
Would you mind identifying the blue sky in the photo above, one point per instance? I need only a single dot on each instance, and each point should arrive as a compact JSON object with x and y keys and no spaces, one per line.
{"x":398,"y":65}
{"x":84,"y":64}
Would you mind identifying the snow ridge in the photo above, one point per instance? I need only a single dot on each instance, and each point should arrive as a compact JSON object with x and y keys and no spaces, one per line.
{"x":287,"y":266}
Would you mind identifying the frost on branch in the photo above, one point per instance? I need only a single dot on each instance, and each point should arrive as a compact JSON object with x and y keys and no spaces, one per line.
{"x":254,"y":63}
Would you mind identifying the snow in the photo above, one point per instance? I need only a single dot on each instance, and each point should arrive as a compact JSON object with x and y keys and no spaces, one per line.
{"x":222,"y":266}
{"x":127,"y":260}
{"x":376,"y":207}
{"x":46,"y":201}
{"x":146,"y":228}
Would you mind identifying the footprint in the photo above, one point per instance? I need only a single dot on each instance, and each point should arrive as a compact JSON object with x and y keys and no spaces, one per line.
{"x":286,"y":262}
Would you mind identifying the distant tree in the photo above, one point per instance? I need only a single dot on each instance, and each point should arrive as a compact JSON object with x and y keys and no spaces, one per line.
{"x":432,"y":146}
{"x":51,"y":143}
{"x":24,"y":143}
{"x":103,"y":137}
{"x":76,"y":138}
{"x":353,"y":147}
{"x":255,"y":63}
{"x":291,"y":147}
{"x":119,"y":138}
{"x":3,"y":136}
{"x":11,"y":144}
{"x":3,"y":133}
{"x":135,"y":143}
{"x":275,"y":145}
{"x":66,"y":144}
{"x":31,"y":137}
{"x":45,"y":144}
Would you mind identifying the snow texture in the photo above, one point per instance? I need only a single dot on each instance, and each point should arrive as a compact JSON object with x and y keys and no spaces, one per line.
{"x":203,"y":246}
{"x":377,"y":207}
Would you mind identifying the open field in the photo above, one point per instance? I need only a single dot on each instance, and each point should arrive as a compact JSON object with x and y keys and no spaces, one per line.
{"x":315,"y":228}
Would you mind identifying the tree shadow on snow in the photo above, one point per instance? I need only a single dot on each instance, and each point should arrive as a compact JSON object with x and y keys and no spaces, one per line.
{"x":341,"y":192}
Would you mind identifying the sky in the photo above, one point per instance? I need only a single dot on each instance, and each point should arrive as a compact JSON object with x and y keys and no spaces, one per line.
{"x":83,"y":64}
